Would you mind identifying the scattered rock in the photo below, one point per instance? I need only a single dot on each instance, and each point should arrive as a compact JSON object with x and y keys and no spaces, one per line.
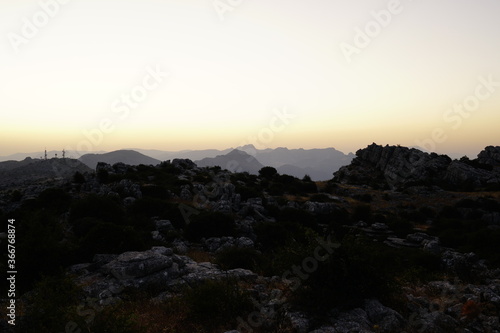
{"x":385,"y":318}
{"x":355,"y":320}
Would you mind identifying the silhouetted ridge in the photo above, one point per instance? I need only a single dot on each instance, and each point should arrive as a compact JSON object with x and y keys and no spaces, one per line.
{"x":401,"y":167}
{"x":130,"y":157}
{"x":236,"y":161}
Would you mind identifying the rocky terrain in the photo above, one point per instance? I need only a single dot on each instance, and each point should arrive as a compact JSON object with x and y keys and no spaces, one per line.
{"x":398,"y":241}
{"x":399,"y":167}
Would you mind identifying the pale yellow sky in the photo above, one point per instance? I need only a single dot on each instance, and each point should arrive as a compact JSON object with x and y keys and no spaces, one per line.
{"x":171,"y":75}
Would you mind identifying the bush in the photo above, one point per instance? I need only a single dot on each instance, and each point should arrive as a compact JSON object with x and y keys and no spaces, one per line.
{"x":16,"y":196}
{"x":268,"y":172}
{"x":271,"y":235}
{"x":401,"y":227}
{"x":291,"y":185}
{"x":78,"y":178}
{"x":210,"y":224}
{"x":39,"y":247}
{"x":154,"y":191}
{"x":51,"y":305}
{"x":146,"y":208}
{"x":104,"y":208}
{"x":55,"y":199}
{"x":361,"y":269}
{"x":320,"y":198}
{"x":366,"y":197}
{"x":216,"y":303}
{"x":239,"y":258}
{"x":115,"y":319}
{"x":106,"y":237}
{"x":351,"y":274}
{"x":362,"y":212}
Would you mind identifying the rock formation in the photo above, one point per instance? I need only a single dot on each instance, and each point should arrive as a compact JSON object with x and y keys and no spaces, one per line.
{"x":400,"y":167}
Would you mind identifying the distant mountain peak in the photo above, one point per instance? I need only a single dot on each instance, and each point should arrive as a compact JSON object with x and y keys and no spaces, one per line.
{"x":126,"y":156}
{"x":249,"y":146}
{"x":236,"y":161}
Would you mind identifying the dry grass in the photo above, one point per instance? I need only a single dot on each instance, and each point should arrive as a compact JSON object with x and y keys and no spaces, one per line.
{"x":200,"y":256}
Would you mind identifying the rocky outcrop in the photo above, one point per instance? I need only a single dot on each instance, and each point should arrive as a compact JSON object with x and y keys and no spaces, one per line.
{"x":217,"y":245}
{"x":401,"y":167}
{"x":490,"y":156}
{"x":108,"y":275}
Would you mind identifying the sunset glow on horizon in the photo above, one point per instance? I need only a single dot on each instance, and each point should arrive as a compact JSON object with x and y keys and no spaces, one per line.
{"x":191,"y":74}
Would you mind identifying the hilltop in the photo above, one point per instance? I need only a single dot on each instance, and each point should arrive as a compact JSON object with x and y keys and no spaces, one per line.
{"x":29,"y":171}
{"x":130,"y":157}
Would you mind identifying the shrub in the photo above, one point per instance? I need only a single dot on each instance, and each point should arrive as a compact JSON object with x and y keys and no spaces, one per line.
{"x":268,"y":172}
{"x":320,"y":198}
{"x":216,"y":303}
{"x":361,"y":269}
{"x":362,"y":212}
{"x":366,"y":197}
{"x":55,"y":199}
{"x":239,"y":258}
{"x":146,"y":208}
{"x":16,"y":196}
{"x":210,"y":224}
{"x":401,"y":227}
{"x":154,"y":191}
{"x":248,"y":191}
{"x":271,"y":235}
{"x":115,"y":319}
{"x":51,"y":305}
{"x":467,"y":203}
{"x":78,"y":178}
{"x":354,"y":272}
{"x":39,"y":235}
{"x":104,"y":208}
{"x":107,"y":237}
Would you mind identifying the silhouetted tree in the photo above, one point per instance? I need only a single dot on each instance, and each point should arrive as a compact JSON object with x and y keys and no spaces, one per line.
{"x":268,"y":172}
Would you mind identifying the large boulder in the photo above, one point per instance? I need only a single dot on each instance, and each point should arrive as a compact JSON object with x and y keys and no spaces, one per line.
{"x":131,"y":265}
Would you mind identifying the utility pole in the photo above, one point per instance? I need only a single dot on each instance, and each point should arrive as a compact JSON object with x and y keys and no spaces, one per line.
{"x":45,"y":153}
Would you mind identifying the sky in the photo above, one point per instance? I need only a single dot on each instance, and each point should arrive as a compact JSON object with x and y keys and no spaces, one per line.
{"x":101,"y":75}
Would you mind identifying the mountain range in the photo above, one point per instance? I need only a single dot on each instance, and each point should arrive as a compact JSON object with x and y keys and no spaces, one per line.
{"x":319,"y":164}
